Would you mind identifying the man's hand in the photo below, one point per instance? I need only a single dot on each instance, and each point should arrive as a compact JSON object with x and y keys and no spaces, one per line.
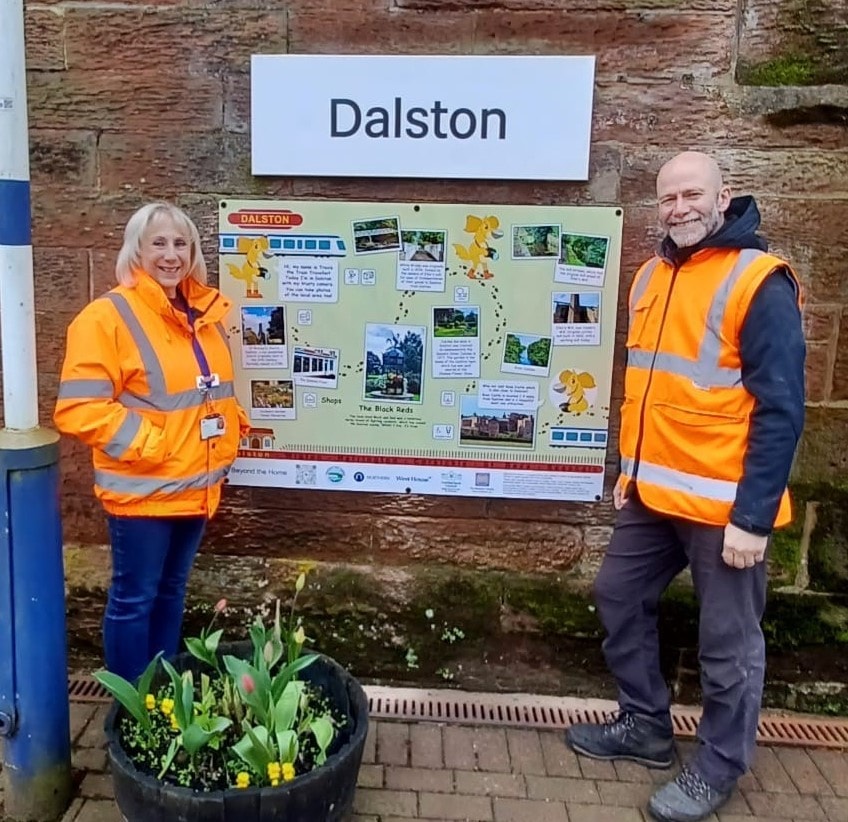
{"x":619,"y":499}
{"x":742,"y":549}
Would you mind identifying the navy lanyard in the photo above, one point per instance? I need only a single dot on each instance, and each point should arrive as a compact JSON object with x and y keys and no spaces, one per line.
{"x":202,"y":362}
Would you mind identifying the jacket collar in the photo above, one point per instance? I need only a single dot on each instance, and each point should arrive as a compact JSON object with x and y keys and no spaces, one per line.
{"x":738,"y":231}
{"x":205,"y":301}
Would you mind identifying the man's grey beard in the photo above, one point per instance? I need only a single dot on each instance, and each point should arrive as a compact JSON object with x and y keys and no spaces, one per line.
{"x":687,"y":236}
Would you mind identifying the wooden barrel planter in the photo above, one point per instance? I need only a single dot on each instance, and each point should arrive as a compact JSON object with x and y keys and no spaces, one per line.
{"x":325,"y":794}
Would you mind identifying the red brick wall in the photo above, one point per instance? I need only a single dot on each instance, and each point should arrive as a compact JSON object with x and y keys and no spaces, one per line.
{"x":130,"y":102}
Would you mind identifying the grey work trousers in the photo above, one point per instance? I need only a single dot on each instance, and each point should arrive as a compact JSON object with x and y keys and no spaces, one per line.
{"x":646,"y":552}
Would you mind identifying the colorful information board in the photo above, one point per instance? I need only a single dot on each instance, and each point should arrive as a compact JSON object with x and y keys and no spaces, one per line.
{"x":423,"y":348}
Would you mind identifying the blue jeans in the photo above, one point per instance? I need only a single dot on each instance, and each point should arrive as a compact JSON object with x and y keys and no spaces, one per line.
{"x":151,"y":561}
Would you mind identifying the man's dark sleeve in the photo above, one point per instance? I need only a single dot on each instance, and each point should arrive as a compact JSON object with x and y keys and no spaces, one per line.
{"x":772,"y":351}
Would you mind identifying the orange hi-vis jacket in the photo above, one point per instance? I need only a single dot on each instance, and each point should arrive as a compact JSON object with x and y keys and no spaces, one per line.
{"x":129,"y":389}
{"x":686,"y":413}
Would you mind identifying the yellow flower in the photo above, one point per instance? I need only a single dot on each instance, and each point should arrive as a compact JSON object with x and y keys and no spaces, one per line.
{"x":273,"y":770}
{"x":275,"y":782}
{"x":288,"y":771}
{"x":150,"y":702}
{"x":166,"y":706}
{"x":242,"y":779}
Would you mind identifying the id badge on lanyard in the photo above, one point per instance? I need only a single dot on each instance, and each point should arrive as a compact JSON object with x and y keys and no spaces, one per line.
{"x":212,"y":424}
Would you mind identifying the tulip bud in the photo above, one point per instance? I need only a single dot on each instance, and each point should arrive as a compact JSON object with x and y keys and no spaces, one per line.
{"x":301,"y":581}
{"x":220,"y":606}
{"x":300,"y":636}
{"x":247,"y":683}
{"x":268,"y":652}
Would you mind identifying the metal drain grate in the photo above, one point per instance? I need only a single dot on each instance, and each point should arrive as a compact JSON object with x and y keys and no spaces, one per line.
{"x":545,"y":713}
{"x":86,"y":689}
{"x":554,"y":713}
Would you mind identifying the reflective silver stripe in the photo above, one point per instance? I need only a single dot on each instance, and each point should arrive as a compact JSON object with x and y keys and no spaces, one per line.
{"x":159,"y":399}
{"x":86,"y":389}
{"x":710,"y":348}
{"x":180,"y":400}
{"x":705,"y":372}
{"x":642,"y":284}
{"x":123,"y":436}
{"x":673,"y":480}
{"x":147,"y":486}
{"x":155,"y":375}
{"x":675,"y":364}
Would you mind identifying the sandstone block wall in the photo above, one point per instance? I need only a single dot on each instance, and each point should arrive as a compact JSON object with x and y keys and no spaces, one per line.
{"x":133,"y":101}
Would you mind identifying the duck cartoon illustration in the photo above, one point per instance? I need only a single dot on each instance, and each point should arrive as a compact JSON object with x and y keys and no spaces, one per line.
{"x":253,"y":248}
{"x":478,"y":252}
{"x":575,"y":385}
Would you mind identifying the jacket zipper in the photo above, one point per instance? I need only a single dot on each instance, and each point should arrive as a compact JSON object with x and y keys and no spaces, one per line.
{"x":640,"y":436}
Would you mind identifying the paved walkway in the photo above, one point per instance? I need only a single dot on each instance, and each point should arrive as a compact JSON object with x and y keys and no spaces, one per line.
{"x":433,"y":772}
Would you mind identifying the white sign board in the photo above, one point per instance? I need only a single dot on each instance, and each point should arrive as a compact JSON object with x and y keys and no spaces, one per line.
{"x":521,"y":118}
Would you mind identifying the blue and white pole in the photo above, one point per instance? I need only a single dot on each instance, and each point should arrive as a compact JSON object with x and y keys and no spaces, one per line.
{"x":34,"y":712}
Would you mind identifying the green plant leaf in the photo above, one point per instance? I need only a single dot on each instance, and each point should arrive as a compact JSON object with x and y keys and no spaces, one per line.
{"x":260,"y":698}
{"x":285,"y":711}
{"x":276,"y":652}
{"x":213,"y":639}
{"x":218,"y":724}
{"x":277,"y":630}
{"x":262,"y":739}
{"x":186,"y":700}
{"x":169,"y":757}
{"x":255,"y":748}
{"x":194,"y":738}
{"x":198,"y":649}
{"x":252,"y":756}
{"x":287,"y":672}
{"x":147,"y":677}
{"x":126,"y":694}
{"x":177,"y":683}
{"x":257,"y":637}
{"x":287,"y":745}
{"x":323,"y":731}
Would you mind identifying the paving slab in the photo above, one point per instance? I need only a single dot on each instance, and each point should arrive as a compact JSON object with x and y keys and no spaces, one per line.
{"x":438,"y":772}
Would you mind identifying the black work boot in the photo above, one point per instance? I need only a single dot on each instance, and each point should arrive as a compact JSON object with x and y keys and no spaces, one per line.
{"x":636,"y":737}
{"x":687,"y":798}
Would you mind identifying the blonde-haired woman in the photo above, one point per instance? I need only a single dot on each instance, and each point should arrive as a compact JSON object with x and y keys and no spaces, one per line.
{"x":147,"y":383}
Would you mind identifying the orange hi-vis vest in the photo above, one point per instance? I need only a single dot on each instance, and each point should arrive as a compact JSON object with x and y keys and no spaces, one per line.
{"x":129,"y":390}
{"x":686,"y":413}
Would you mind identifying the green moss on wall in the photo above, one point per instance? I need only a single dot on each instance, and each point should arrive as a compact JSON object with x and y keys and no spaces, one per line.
{"x":828,"y":556}
{"x":785,"y":552}
{"x":791,"y":620}
{"x":791,"y":70}
{"x":432,"y":627}
{"x":552,"y":607}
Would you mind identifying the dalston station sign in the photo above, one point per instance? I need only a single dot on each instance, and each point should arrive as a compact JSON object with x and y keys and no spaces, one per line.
{"x":506,"y":118}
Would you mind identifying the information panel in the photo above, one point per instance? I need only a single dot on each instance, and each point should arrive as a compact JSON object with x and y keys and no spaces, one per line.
{"x":423,"y":348}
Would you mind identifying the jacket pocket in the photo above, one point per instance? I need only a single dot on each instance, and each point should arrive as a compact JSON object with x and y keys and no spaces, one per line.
{"x":696,"y":418}
{"x":642,"y":324}
{"x":226,"y":446}
{"x":705,"y":442}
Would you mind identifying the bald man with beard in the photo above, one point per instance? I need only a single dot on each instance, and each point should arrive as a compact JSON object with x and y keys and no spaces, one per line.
{"x":712,"y":414}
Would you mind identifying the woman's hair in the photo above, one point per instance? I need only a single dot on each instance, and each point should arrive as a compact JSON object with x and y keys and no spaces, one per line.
{"x":129,"y":256}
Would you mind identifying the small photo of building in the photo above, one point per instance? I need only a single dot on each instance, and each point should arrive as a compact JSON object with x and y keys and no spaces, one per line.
{"x":259,"y":439}
{"x":316,"y":367}
{"x":495,"y":427}
{"x":574,"y":307}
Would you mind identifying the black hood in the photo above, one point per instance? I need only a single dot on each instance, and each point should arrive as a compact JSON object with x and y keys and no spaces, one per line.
{"x":739,"y":230}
